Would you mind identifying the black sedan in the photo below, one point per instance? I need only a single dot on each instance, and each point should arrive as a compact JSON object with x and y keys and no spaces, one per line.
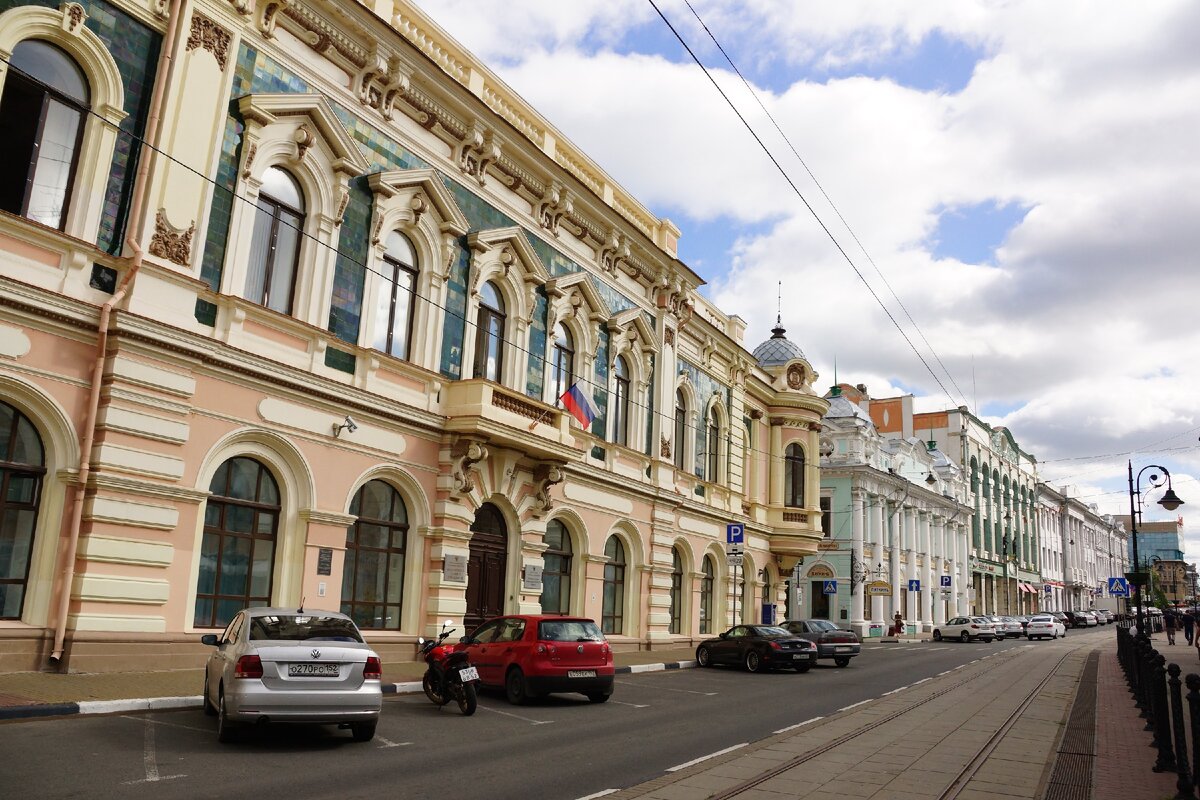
{"x":831,"y":641}
{"x":758,"y":647}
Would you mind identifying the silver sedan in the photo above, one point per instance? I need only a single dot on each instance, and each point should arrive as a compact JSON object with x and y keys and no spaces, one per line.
{"x":291,"y":665}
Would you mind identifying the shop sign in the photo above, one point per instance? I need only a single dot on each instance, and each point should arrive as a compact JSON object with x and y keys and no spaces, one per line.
{"x":879,"y":589}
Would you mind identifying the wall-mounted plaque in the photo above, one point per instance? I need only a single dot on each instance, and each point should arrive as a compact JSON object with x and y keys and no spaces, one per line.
{"x":325,"y":561}
{"x":533,"y":577}
{"x":454,"y":568}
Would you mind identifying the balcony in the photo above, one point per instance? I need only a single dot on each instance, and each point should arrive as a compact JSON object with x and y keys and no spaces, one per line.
{"x":509,"y":419}
{"x":795,"y":532}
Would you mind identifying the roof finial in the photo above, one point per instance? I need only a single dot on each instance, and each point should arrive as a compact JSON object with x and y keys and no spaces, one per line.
{"x":778,"y":332}
{"x":779,"y":304}
{"x":836,"y":389}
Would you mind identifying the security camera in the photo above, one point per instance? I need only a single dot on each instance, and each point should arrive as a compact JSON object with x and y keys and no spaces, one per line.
{"x":350,"y":426}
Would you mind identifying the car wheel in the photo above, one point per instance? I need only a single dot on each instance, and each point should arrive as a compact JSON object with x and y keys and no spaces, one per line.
{"x":964,"y":637}
{"x":703,"y":657}
{"x":225,"y":728}
{"x":842,"y":661}
{"x":937,"y":635}
{"x":598,"y":697}
{"x":802,"y":668}
{"x":753,"y":661}
{"x":363,"y":731}
{"x":209,"y":711}
{"x":514,"y":687}
{"x":467,"y":699}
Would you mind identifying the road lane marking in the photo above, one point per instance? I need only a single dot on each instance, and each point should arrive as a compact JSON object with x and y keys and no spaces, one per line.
{"x":856,"y":705}
{"x":947,"y":672}
{"x":388,"y":743}
{"x":631,"y":705}
{"x":669,"y":689}
{"x":517,"y":716}
{"x":150,"y":758}
{"x":798,"y":725}
{"x":918,"y":683}
{"x":168,"y":724}
{"x":695,"y":761}
{"x":893,"y":691}
{"x":604,"y":793}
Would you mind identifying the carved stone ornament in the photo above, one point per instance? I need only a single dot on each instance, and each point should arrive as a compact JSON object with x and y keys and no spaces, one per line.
{"x":795,"y":376}
{"x":243,"y":7}
{"x":669,"y":336}
{"x":554,"y":205}
{"x":270,"y":17}
{"x":73,"y":17}
{"x":171,"y":243}
{"x":614,"y":252}
{"x":465,"y":456}
{"x":250,"y":154}
{"x":209,"y":36}
{"x":546,"y":476}
{"x":304,"y":140}
{"x":826,"y":446}
{"x":664,"y":448}
{"x":478,"y":149}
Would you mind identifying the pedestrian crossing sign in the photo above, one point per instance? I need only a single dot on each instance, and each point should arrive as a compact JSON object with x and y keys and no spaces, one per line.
{"x":830,"y":587}
{"x":1118,"y":587}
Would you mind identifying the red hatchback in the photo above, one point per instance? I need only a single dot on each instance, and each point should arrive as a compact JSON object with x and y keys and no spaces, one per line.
{"x":530,"y":655}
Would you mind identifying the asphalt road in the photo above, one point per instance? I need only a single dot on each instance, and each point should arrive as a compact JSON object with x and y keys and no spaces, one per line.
{"x":559,"y":748}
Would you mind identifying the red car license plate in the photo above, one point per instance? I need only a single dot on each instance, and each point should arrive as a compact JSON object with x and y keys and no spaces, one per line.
{"x":581,"y":673}
{"x":313,"y":670}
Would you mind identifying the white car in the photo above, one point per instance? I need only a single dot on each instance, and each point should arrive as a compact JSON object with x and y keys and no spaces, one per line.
{"x":1043,"y":626}
{"x":966,"y":629}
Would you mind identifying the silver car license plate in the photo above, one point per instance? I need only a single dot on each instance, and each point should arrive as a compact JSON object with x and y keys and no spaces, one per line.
{"x":581,"y":673}
{"x":845,"y":648}
{"x":313,"y":670}
{"x":799,"y":656}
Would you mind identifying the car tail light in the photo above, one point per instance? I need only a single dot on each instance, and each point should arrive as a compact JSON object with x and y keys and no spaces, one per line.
{"x":373,"y":671}
{"x":547,"y":649}
{"x":248,"y":667}
{"x":776,"y":646}
{"x":975,"y":627}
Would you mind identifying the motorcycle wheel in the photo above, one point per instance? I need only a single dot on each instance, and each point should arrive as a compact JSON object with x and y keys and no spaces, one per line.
{"x":464,"y":693}
{"x":429,"y":684}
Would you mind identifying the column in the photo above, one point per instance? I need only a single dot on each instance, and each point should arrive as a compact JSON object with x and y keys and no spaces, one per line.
{"x":925,"y":520}
{"x":878,"y":525}
{"x":912,"y":521}
{"x":895,"y":538}
{"x":939,"y":536}
{"x":962,"y":557}
{"x":856,"y":546}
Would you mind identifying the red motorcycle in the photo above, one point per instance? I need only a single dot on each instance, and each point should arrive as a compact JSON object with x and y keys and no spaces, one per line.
{"x":450,"y":675}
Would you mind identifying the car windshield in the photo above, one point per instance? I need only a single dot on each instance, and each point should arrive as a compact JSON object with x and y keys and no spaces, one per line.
{"x":303,"y":627}
{"x":981,"y":620}
{"x":771,"y":630}
{"x":569,"y":630}
{"x":822,"y":625}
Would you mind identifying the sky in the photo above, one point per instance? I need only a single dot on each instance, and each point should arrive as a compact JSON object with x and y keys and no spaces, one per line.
{"x":1016,"y":182}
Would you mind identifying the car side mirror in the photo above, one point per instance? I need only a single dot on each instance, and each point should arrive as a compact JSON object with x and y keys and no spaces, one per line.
{"x":724,"y":635}
{"x":210,"y":639}
{"x":466,"y":640}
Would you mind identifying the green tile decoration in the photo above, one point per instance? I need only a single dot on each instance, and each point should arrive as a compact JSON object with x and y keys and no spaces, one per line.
{"x":600,"y":387}
{"x":536,"y":375}
{"x":206,"y":312}
{"x":651,"y":445}
{"x":212,"y":260}
{"x":706,"y":386}
{"x":135,"y":49}
{"x":454,"y":322}
{"x":340,"y":360}
{"x":349,"y":277}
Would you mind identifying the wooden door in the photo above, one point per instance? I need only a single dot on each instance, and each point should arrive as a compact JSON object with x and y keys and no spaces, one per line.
{"x":486,"y":566}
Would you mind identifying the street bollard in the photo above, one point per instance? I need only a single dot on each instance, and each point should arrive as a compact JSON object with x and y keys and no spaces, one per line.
{"x":1161,"y":716}
{"x":1183,"y":784}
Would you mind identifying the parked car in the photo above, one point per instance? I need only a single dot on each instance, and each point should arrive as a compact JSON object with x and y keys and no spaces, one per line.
{"x":758,"y":647}
{"x":966,"y":629}
{"x":1044,"y":626}
{"x":530,"y":655}
{"x":1077,"y":618}
{"x":1105,"y":616}
{"x":1008,"y":627}
{"x":1090,"y":616}
{"x":831,"y":641}
{"x":1062,"y":617}
{"x":1024,"y":620}
{"x":291,"y":665}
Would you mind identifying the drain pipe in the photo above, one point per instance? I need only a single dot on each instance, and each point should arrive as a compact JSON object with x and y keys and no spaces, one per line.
{"x":133,"y":233}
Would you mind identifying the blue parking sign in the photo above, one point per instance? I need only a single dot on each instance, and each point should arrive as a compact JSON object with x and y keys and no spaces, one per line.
{"x":735,"y":533}
{"x":945,"y":581}
{"x":914,"y":585}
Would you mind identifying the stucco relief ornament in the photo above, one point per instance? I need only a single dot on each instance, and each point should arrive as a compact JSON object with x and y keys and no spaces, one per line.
{"x":343,"y":201}
{"x":171,"y":243}
{"x":665,"y":448}
{"x":826,"y":446}
{"x":546,"y":476}
{"x":209,"y":36}
{"x":466,"y":456}
{"x":250,"y":154}
{"x":795,"y":376}
{"x":270,"y":16}
{"x":73,"y":17}
{"x":304,"y":140}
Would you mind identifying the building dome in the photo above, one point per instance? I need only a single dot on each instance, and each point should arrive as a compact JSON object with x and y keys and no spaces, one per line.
{"x":777,"y":351}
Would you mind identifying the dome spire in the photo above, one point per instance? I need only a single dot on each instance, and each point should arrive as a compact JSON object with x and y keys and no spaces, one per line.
{"x":778,"y":331}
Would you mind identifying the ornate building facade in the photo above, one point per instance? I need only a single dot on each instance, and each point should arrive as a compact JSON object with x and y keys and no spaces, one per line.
{"x":290,"y":294}
{"x":1081,"y":550}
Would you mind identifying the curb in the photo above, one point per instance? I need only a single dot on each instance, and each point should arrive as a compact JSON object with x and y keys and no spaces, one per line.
{"x":39,"y":710}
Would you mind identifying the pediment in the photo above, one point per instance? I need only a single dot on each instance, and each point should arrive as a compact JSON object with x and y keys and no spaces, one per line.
{"x":267,"y":109}
{"x":429,"y":183}
{"x":632,"y":320}
{"x":579,"y":281}
{"x":513,"y":239}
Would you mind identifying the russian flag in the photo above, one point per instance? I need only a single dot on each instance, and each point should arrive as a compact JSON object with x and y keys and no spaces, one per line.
{"x":580,"y":405}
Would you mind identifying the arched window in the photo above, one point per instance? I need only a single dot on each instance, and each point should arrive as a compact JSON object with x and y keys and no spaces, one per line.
{"x":676,"y":591}
{"x":398,"y":281}
{"x":489,"y":334}
{"x":237,"y":551}
{"x":612,"y":618}
{"x":556,"y":574}
{"x":706,"y":595}
{"x":621,"y":402}
{"x":275,"y":242}
{"x":793,"y":476}
{"x":373,"y":577}
{"x":712,"y":446}
{"x":680,"y":428}
{"x":22,"y":467}
{"x":562,"y":361}
{"x":45,"y":99}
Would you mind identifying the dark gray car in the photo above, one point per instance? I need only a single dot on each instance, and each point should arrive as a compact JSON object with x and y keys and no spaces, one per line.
{"x":831,"y":641}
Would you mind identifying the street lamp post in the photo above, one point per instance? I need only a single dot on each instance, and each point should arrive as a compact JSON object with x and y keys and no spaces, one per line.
{"x":1170,"y":501}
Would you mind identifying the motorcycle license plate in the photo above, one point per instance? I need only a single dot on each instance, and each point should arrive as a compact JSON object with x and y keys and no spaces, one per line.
{"x":313,"y":670}
{"x":581,"y":673}
{"x":468,"y":674}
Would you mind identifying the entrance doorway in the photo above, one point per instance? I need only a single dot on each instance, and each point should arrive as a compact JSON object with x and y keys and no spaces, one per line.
{"x":486,"y":566}
{"x":819,"y":605}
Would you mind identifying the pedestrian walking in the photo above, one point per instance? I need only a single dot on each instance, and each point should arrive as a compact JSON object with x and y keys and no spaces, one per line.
{"x":1169,"y":622}
{"x":897,"y":624}
{"x":1189,"y":624}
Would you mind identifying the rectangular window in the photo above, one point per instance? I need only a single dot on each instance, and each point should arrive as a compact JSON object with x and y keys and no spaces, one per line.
{"x":827,"y":516}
